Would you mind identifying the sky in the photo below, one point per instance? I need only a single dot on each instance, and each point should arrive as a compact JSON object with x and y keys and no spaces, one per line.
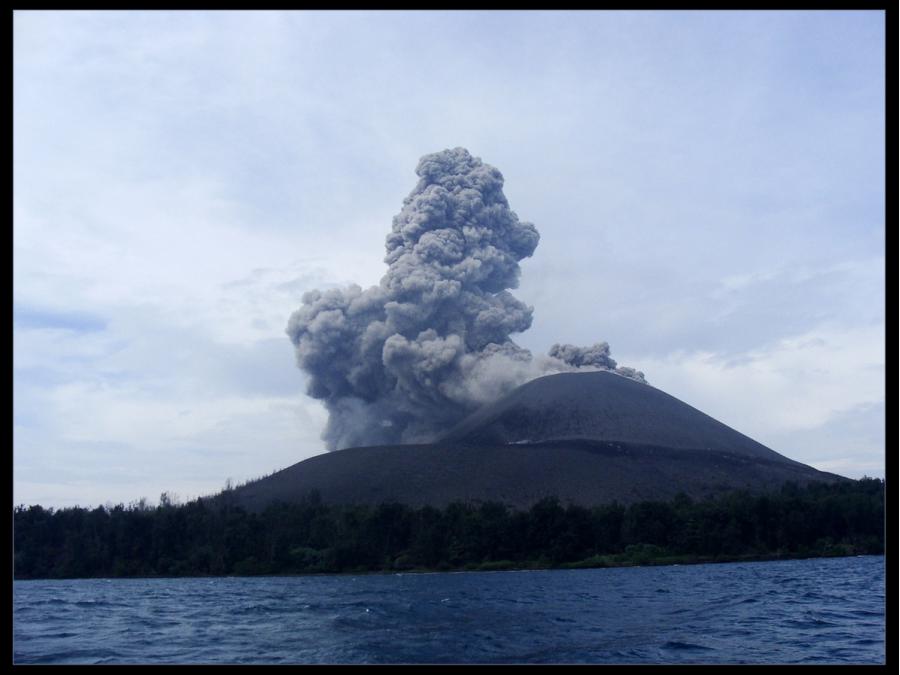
{"x":709,"y":187}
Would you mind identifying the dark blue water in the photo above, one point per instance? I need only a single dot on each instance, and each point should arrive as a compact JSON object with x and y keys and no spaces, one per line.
{"x":798,"y":611}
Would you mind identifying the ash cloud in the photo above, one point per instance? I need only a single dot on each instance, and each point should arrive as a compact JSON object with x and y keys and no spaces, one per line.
{"x":405,"y":360}
{"x":595,"y":357}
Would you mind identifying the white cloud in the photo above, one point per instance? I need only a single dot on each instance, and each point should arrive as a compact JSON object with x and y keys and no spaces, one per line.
{"x":157,"y":401}
{"x":788,"y":390}
{"x":153,"y":441}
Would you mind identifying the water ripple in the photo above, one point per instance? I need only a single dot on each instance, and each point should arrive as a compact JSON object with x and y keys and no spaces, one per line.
{"x":814,"y":611}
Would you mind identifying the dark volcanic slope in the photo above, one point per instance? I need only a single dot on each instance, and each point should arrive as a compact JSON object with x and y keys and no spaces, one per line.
{"x":581,"y":472}
{"x":587,"y":438}
{"x":601,"y":406}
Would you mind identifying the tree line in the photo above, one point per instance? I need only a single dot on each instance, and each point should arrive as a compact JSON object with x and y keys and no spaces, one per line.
{"x":216,"y":536}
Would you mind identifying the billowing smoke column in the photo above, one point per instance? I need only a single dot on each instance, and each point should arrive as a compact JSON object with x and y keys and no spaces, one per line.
{"x":403,"y":361}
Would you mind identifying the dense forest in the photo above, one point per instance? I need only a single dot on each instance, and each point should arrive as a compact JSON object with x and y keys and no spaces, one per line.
{"x":214,"y":536}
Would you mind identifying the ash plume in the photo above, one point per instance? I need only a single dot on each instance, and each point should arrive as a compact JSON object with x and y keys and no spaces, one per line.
{"x":403,"y":361}
{"x":595,"y":357}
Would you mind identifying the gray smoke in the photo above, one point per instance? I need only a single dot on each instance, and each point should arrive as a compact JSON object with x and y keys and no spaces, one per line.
{"x":405,"y":360}
{"x":595,"y":357}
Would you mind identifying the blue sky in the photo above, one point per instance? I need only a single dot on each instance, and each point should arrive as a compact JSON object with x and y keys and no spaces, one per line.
{"x":709,"y":189}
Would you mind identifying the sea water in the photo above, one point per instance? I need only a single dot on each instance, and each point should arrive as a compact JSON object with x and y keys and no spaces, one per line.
{"x":793,"y":611}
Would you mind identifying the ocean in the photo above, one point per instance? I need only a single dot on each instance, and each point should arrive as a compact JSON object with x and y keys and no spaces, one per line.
{"x":823,"y":611}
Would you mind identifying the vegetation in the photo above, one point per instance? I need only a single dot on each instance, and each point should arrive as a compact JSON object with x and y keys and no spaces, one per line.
{"x":215,"y":536}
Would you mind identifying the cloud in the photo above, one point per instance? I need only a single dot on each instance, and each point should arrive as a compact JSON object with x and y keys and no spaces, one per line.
{"x":796,"y":387}
{"x":154,"y":402}
{"x":79,"y":322}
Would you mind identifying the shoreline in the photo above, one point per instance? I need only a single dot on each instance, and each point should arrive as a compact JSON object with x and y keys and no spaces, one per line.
{"x":668,"y":561}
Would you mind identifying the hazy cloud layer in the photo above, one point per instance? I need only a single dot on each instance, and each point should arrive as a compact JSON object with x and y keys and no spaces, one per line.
{"x":814,"y":397}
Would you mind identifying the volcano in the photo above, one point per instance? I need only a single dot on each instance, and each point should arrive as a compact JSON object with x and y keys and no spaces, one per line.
{"x":601,"y":406}
{"x":587,"y":438}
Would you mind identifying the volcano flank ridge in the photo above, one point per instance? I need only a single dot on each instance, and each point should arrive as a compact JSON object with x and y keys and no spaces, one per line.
{"x":601,"y":406}
{"x":587,"y":438}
